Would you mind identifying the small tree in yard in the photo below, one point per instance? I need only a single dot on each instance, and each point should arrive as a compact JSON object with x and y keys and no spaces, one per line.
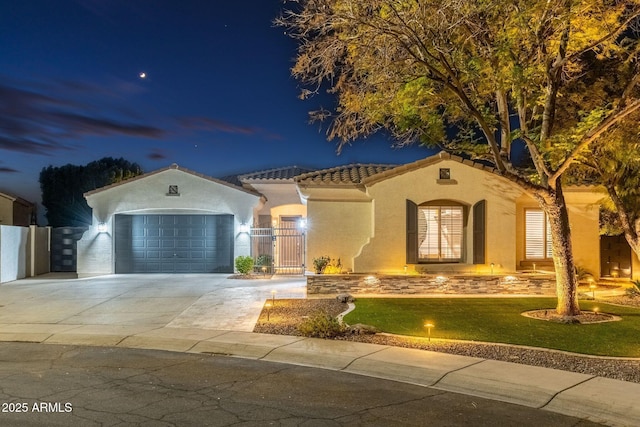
{"x":616,"y":166}
{"x":554,"y":76}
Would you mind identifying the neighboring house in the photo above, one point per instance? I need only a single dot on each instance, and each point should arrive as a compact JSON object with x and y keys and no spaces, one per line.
{"x":441,"y":213}
{"x":15,"y":210}
{"x":171,"y":220}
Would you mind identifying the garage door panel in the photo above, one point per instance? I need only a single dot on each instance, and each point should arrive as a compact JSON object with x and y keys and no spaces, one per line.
{"x":174,"y":243}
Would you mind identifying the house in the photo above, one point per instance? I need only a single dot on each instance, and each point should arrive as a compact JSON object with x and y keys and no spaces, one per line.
{"x":172,"y":220}
{"x":15,"y":210}
{"x":442,"y":213}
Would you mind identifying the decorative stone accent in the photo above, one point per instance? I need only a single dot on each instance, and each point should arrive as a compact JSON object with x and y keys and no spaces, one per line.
{"x":431,"y":284}
{"x":344,"y":298}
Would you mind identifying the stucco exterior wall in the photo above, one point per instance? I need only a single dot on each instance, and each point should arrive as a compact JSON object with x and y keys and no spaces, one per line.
{"x":22,"y":213}
{"x":38,"y":251}
{"x":337,"y":229}
{"x":6,"y":211}
{"x":288,"y":210}
{"x":635,"y":266}
{"x":585,"y":229}
{"x":386,"y":252}
{"x":148,"y":195}
{"x":13,"y":253}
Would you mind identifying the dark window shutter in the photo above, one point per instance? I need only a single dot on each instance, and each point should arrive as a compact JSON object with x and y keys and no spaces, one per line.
{"x":479,"y":235}
{"x":412,"y":232}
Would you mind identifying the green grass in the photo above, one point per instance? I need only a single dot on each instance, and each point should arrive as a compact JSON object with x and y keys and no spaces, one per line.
{"x":499,"y":320}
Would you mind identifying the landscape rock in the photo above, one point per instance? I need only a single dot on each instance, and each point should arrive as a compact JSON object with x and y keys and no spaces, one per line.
{"x":362,"y":329}
{"x":344,"y":298}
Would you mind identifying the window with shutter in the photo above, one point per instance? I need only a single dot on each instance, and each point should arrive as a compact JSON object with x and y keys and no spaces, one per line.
{"x":537,"y":235}
{"x":440,"y":233}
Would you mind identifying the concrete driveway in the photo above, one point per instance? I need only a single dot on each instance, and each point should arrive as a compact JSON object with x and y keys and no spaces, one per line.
{"x":204,"y":301}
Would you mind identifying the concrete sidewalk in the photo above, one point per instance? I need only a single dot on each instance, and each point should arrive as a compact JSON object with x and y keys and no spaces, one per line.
{"x":212,"y":314}
{"x":601,"y":400}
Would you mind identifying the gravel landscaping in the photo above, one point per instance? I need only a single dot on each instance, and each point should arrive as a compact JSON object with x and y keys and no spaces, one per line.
{"x":286,"y":314}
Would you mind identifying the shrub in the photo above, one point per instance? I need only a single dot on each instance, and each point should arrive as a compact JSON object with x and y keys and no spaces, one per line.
{"x":583,"y":274}
{"x":263,"y":260}
{"x":320,"y":263}
{"x":334,"y":267}
{"x":244,"y":264}
{"x":634,"y":290}
{"x":321,"y":325}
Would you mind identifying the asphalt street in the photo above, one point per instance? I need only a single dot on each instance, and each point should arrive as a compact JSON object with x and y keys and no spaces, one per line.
{"x":63,"y":385}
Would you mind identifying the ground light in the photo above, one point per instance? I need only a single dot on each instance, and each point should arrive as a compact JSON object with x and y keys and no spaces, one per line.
{"x":273,"y":297}
{"x":593,"y":290}
{"x":264,"y":270}
{"x":268,"y":306}
{"x":429,"y":325}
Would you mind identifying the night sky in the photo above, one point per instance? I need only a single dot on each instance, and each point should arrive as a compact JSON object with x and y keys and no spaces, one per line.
{"x":217,"y":96}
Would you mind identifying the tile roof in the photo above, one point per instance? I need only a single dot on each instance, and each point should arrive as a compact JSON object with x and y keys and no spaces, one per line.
{"x":278,"y":174}
{"x":353,"y":174}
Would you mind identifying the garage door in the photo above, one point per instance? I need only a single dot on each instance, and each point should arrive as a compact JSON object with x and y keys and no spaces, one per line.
{"x":174,"y":243}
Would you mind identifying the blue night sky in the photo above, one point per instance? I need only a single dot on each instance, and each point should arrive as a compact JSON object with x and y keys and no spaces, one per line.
{"x":218,"y":97}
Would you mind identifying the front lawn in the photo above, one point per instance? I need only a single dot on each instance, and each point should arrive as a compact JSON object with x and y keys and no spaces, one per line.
{"x":499,"y":320}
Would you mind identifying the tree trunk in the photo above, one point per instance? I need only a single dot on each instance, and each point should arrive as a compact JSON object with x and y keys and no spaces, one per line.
{"x":554,"y":205}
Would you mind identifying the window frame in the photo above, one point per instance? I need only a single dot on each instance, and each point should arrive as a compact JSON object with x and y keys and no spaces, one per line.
{"x":443,"y":204}
{"x":546,"y":236}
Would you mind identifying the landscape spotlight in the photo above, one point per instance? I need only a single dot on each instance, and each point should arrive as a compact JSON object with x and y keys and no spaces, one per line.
{"x":429,"y":325}
{"x":268,"y":305}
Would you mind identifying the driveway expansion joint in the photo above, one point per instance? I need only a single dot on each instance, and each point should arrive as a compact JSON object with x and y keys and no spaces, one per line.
{"x":566,"y":389}
{"x":457,"y":370}
{"x":364,"y":355}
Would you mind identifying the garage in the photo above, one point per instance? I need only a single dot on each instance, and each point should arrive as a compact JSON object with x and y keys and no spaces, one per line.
{"x":171,"y":220}
{"x":174,"y":243}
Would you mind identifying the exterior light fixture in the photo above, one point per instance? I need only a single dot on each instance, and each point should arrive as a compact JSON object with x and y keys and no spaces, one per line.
{"x":302,"y":224}
{"x":405,"y":269}
{"x":244,"y":228}
{"x":492,"y":265}
{"x":102,"y":227}
{"x":596,"y":310}
{"x":593,"y":290}
{"x":429,"y":325}
{"x":268,"y":305}
{"x":273,"y":297}
{"x":371,"y":280}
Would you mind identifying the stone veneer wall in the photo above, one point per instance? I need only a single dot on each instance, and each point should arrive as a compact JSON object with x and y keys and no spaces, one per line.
{"x":430,"y":284}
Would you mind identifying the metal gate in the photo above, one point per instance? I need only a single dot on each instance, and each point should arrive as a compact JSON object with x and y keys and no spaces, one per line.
{"x":64,"y":248}
{"x":278,"y":250}
{"x":615,"y":256}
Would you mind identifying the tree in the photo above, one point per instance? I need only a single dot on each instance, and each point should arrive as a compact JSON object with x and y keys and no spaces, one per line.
{"x":616,"y":165}
{"x":497,"y":72}
{"x":63,"y":188}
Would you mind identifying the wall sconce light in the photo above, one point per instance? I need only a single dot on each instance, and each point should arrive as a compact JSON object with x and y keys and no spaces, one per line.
{"x":244,"y":228}
{"x":302,"y":224}
{"x":102,"y":227}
